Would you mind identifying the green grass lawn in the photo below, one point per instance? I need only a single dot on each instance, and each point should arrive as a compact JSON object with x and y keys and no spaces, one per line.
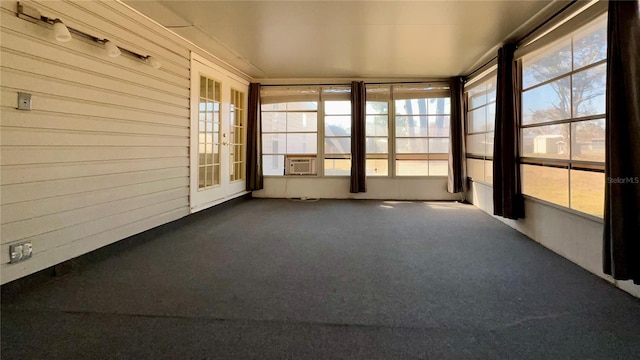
{"x":585,"y":192}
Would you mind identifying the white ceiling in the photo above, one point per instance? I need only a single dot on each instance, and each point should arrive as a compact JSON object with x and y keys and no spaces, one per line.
{"x":345,"y":39}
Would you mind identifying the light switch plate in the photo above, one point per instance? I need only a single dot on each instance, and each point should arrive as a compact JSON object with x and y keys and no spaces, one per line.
{"x":24,"y":101}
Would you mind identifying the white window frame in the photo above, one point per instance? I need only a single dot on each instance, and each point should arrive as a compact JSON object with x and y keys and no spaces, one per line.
{"x":568,"y":30}
{"x":417,"y":91}
{"x":487,"y":76}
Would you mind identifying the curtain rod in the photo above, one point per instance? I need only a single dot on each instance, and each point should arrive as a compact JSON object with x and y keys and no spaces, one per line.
{"x":518,"y":41}
{"x":480,"y":68}
{"x":546,"y":21}
{"x":368,"y":83}
{"x":345,"y":84}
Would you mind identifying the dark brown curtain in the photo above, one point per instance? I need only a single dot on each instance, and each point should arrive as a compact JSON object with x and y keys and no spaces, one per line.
{"x":507,"y":199}
{"x":254,"y":145}
{"x":358,"y":138}
{"x":457,"y":178}
{"x":622,"y":166}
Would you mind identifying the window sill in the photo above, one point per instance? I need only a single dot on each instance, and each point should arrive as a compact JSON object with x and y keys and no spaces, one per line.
{"x":347,"y":176}
{"x":420,"y":177}
{"x":480,"y":182}
{"x":567,"y":210}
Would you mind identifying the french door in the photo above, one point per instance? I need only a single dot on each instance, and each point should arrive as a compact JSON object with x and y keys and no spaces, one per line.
{"x":218,"y":135}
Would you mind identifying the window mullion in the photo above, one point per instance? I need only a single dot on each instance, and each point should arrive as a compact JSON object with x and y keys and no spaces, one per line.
{"x":392,"y":134}
{"x":321,"y":136}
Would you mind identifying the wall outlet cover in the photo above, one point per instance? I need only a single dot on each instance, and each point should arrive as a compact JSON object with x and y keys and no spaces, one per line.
{"x":24,"y":101}
{"x":20,"y":251}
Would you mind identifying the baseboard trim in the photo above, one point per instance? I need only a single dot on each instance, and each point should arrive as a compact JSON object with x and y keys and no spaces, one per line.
{"x":18,"y":286}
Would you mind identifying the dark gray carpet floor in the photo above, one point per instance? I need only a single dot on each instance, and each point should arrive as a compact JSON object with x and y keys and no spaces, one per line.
{"x":276,"y":279}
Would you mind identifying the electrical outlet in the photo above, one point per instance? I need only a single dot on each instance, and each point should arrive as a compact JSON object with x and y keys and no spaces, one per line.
{"x":24,"y":101}
{"x":16,"y":253}
{"x":27,"y":250}
{"x":20,"y":251}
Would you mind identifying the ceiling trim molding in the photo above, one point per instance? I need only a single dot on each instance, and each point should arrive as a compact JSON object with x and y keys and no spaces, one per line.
{"x":192,"y":46}
{"x":346,"y":81}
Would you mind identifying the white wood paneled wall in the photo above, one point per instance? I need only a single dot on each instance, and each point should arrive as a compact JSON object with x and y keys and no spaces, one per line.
{"x":104,"y":154}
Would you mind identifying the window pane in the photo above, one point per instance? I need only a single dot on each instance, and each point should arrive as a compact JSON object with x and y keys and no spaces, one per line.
{"x":201,"y":155}
{"x":302,"y":105}
{"x":491,"y":90}
{"x":210,"y":89}
{"x":302,"y":144}
{"x":377,"y":146}
{"x":337,"y":167}
{"x":488,"y":171}
{"x":337,"y":107}
{"x":274,"y":143}
{"x":589,"y":91}
{"x":337,"y":145}
{"x":439,"y":106}
{"x":337,"y":125}
{"x":410,"y":126}
{"x":377,"y":167}
{"x":491,"y":117}
{"x":438,"y":168}
{"x":551,"y":141}
{"x":590,"y":44}
{"x":542,"y":66}
{"x":216,"y":158}
{"x":439,"y":125}
{"x":302,"y":122}
{"x":477,"y":96}
{"x":587,"y":192}
{"x":412,"y":167}
{"x":214,"y":175}
{"x":217,"y":96}
{"x":377,"y":107}
{"x":475,"y":169}
{"x":274,"y":107}
{"x":377,"y":125}
{"x":411,"y":107}
{"x":546,"y":183}
{"x":202,"y":172}
{"x":412,"y":146}
{"x":476,"y":144}
{"x":478,"y":120}
{"x":547,"y":103}
{"x":203,"y":86}
{"x":489,"y":144}
{"x":274,"y":122}
{"x":439,"y":146}
{"x":587,"y":140}
{"x":273,"y":164}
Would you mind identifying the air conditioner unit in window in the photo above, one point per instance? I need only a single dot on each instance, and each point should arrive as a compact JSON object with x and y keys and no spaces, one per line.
{"x":301,"y":166}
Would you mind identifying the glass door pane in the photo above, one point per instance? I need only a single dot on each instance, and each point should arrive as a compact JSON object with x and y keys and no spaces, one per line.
{"x":209,"y":134}
{"x":236,"y":137}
